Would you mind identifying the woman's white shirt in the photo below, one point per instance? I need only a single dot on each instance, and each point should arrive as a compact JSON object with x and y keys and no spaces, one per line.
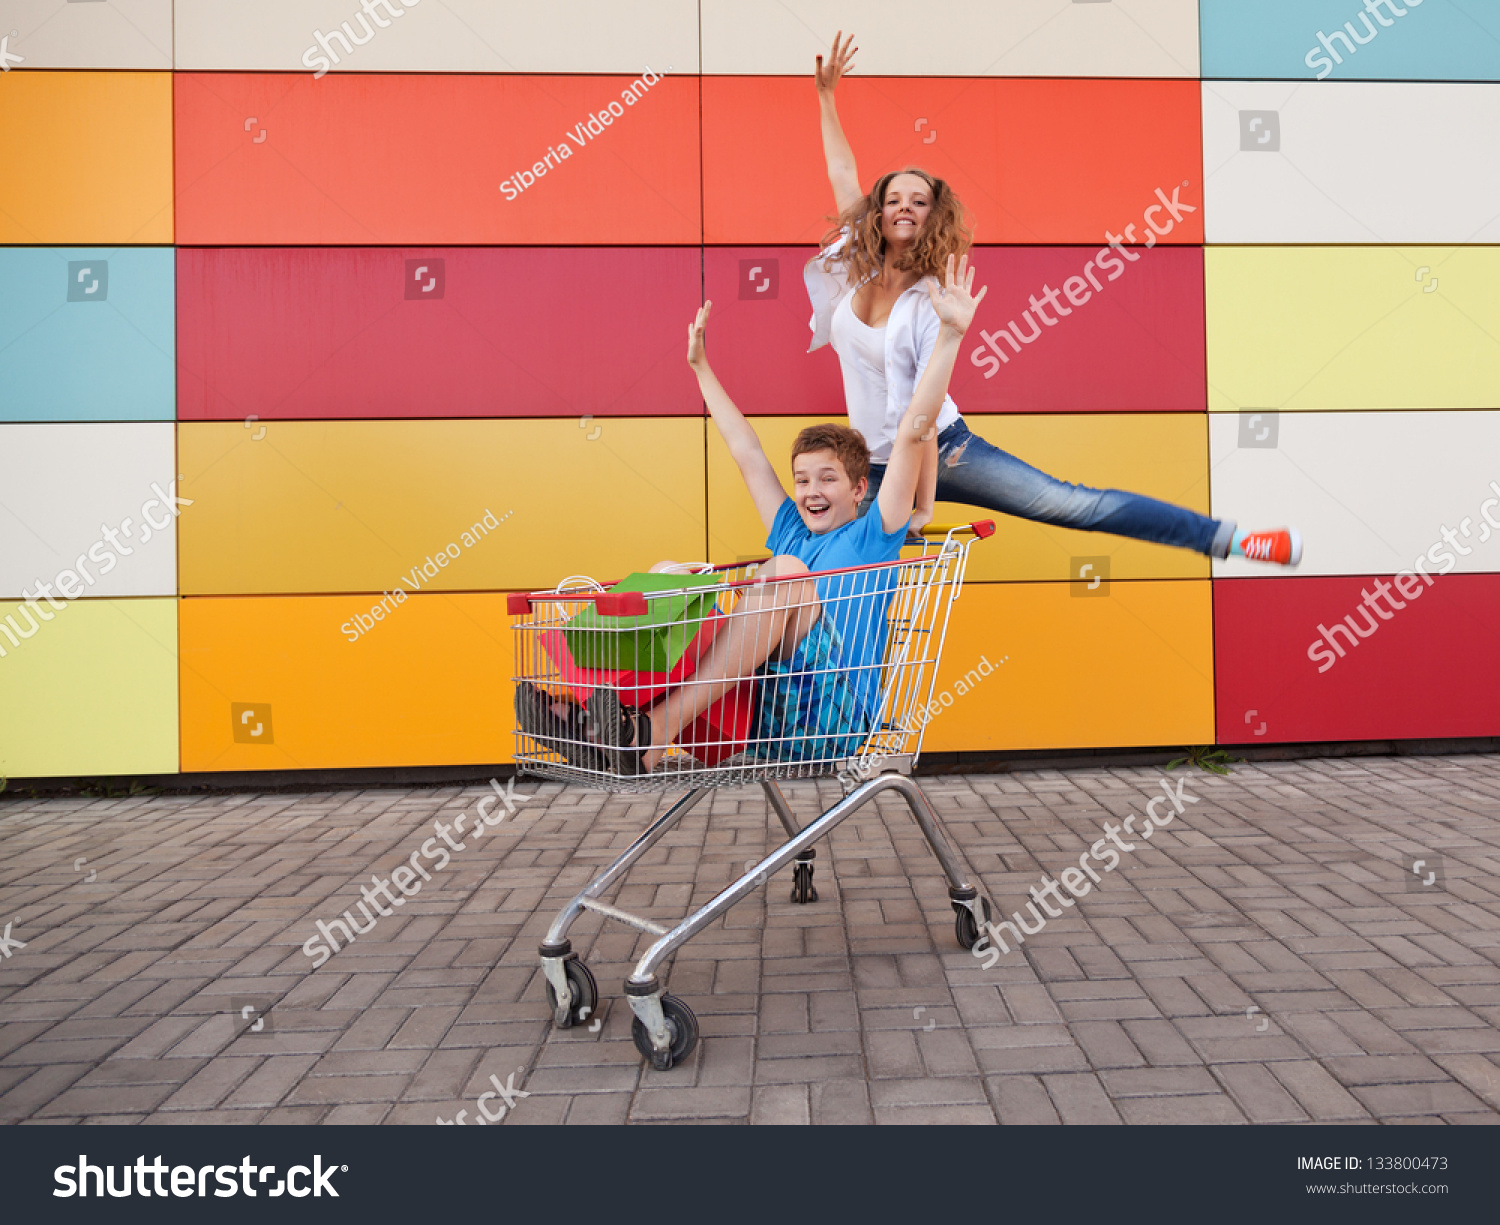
{"x":881,"y":366}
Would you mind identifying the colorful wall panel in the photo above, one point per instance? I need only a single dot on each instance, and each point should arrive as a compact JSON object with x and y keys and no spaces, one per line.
{"x":87,"y":333}
{"x":1360,"y":162}
{"x":428,"y":684}
{"x":454,"y":36}
{"x":338,"y":332}
{"x":318,"y":507}
{"x":1415,"y":661}
{"x":430,"y":286}
{"x":1368,"y":327}
{"x":408,"y":159}
{"x":69,"y":34}
{"x":87,"y":156}
{"x":1371,"y":492}
{"x":1437,"y":40}
{"x":962,"y":38}
{"x":1133,"y":665}
{"x":1163,"y":455}
{"x":89,"y":509}
{"x":1029,"y":158}
{"x":93,"y":691}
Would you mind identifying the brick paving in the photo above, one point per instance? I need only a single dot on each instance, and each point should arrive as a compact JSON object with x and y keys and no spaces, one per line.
{"x":1267,"y":958}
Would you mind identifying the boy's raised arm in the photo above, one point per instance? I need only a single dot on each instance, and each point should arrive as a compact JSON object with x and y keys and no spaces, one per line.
{"x":766,"y":490}
{"x":914,"y":449}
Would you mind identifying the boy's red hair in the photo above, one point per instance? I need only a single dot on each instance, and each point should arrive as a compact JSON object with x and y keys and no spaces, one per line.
{"x":847,"y":445}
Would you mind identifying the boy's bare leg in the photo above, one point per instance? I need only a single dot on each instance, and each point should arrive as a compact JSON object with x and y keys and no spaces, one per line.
{"x":770,"y":619}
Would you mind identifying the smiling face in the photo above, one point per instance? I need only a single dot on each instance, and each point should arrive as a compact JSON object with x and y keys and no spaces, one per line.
{"x":904,"y":211}
{"x":825,"y":496}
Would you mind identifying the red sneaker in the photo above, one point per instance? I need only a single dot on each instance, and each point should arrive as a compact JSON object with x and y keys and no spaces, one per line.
{"x":1283,"y":546}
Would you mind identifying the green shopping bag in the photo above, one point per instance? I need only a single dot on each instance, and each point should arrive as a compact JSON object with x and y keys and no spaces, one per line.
{"x":652,"y":642}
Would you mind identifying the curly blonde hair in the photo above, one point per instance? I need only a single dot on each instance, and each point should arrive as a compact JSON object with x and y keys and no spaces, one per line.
{"x":945,"y":233}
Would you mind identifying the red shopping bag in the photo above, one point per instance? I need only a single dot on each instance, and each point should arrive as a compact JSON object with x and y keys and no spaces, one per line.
{"x":635,"y":688}
{"x":719,"y":732}
{"x":724,"y":728}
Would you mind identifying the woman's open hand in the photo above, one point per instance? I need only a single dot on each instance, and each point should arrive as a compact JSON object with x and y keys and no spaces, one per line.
{"x":697,"y":354}
{"x":955,"y":303}
{"x":840,"y":61}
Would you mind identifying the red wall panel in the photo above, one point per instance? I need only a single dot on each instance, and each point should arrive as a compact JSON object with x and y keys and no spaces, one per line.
{"x":758,"y":333}
{"x":1034,"y":160}
{"x":1134,"y":345}
{"x":412,"y":158}
{"x":1431,"y":670}
{"x":486,"y":332}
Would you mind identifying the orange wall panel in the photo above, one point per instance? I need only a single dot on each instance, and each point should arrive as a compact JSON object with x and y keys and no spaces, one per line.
{"x":418,"y":159}
{"x":1130,"y":664}
{"x":1033,"y":160}
{"x":87,"y":157}
{"x":428,"y":685}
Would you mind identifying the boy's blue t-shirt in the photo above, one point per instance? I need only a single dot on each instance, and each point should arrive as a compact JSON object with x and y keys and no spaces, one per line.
{"x":854,"y":605}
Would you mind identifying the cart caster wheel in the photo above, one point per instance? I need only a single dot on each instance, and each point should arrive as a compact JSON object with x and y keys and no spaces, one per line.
{"x":681,"y":1024}
{"x":585,"y":993}
{"x":802,"y":886}
{"x":964,"y":925}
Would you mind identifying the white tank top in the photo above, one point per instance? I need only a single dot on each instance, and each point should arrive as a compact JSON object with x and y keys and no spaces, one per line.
{"x":861,"y":350}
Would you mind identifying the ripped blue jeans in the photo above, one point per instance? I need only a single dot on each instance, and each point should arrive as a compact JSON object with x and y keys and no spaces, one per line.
{"x":976,"y":473}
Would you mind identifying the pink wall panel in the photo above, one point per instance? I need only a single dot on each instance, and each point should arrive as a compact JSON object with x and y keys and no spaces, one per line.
{"x":341,"y":332}
{"x":1431,"y":670}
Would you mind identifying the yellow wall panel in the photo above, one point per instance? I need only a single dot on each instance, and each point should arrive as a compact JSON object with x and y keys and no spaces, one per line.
{"x":1130,"y":667}
{"x":334,"y":506}
{"x":1352,"y":327}
{"x":92,"y":691}
{"x":427,"y":685}
{"x":87,"y":157}
{"x":1163,"y":455}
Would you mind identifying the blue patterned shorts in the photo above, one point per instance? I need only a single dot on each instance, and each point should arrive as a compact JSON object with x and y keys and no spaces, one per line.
{"x":808,"y":707}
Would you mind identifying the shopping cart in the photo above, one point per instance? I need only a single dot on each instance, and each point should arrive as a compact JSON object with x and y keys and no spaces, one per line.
{"x":864,"y":725}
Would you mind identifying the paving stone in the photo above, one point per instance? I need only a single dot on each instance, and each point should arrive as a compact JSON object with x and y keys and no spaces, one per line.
{"x":1280,"y":907}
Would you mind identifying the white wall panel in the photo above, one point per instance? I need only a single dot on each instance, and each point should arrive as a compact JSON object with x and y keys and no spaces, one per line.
{"x":956,"y":38}
{"x":441,"y":36}
{"x":64,"y":487}
{"x":88,"y":34}
{"x":1370,"y":492}
{"x":1351,"y":161}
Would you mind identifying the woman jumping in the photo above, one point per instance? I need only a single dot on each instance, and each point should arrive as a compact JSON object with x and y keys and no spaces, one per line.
{"x":870,"y":302}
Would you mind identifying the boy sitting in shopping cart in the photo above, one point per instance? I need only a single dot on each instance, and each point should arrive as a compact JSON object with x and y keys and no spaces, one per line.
{"x":815,"y":644}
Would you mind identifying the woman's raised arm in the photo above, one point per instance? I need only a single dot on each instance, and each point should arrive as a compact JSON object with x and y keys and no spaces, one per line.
{"x":842,"y":174}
